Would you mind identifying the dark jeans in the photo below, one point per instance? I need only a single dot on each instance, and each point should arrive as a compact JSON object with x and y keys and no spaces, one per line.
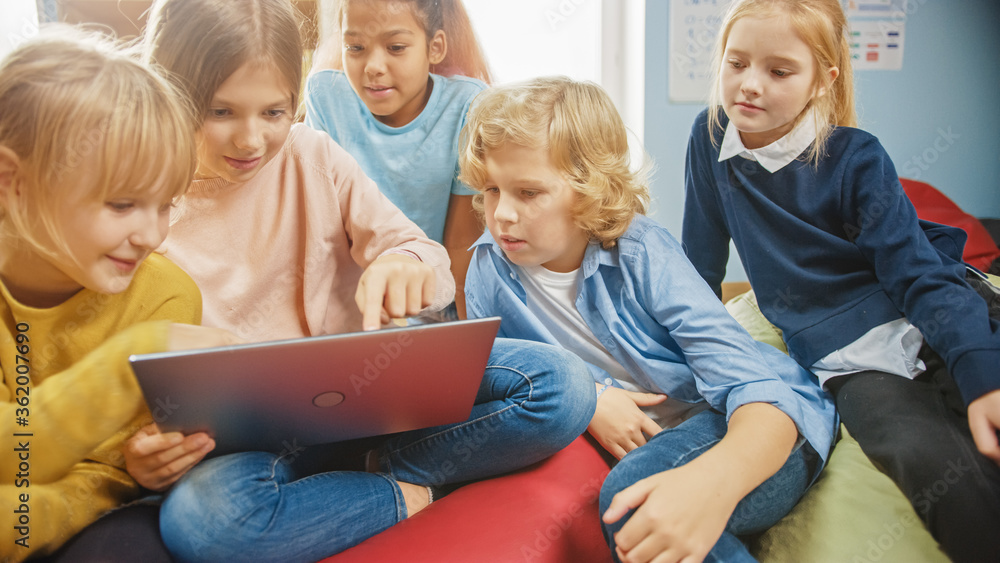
{"x":917,"y":433}
{"x":130,"y":533}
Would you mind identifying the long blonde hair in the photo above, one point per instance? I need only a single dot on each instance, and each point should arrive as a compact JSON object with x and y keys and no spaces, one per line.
{"x":822,"y":25}
{"x":202,"y":42}
{"x":70,"y":97}
{"x":577,"y":123}
{"x":464,"y":55}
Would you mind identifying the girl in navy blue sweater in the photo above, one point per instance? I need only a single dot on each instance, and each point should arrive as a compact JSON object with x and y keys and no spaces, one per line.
{"x":872,"y":300}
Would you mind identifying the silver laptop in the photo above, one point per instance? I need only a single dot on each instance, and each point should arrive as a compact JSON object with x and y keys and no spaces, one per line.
{"x":283,"y":395}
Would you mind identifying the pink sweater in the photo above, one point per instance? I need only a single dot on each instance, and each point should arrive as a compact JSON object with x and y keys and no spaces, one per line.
{"x":280,"y":256}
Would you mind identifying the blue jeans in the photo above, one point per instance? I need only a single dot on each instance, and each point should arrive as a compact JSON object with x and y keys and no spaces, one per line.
{"x":675,"y":447}
{"x":534,"y":400}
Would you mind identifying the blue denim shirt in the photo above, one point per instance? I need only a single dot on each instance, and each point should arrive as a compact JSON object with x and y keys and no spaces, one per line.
{"x":646,"y":304}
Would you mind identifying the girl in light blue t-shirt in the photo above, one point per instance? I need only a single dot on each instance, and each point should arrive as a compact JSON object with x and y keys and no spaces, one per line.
{"x":395,"y":95}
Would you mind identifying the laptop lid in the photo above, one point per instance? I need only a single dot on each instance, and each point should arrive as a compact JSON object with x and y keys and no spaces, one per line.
{"x":282,"y":395}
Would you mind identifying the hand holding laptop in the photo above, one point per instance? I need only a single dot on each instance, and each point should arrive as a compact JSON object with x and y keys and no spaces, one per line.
{"x":156,"y":460}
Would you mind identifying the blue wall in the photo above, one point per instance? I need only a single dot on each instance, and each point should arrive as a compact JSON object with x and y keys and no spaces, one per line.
{"x":939,"y":117}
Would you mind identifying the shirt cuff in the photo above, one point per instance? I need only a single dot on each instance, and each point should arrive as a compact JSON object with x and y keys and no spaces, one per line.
{"x":403,"y":252}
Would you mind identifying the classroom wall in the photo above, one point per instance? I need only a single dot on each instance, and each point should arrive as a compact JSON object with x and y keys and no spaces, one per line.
{"x":938,"y":117}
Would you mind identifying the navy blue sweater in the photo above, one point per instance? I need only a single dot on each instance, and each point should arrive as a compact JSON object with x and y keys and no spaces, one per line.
{"x":836,"y":250}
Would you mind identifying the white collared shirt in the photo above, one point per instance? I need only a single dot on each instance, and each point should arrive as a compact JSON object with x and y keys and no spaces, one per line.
{"x":778,"y":154}
{"x":892,"y":347}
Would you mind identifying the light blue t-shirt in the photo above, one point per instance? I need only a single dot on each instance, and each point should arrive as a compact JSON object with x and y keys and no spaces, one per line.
{"x":416,"y":165}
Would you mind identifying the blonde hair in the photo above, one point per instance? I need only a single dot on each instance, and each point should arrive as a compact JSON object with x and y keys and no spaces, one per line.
{"x":463,"y":56}
{"x":585,"y":136}
{"x":822,"y":25}
{"x":201,"y":43}
{"x":70,"y":97}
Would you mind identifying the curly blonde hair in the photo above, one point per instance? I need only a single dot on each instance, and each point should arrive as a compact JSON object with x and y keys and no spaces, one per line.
{"x":585,"y":136}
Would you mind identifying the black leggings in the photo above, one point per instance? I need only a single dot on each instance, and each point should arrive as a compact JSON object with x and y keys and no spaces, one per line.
{"x":917,"y":433}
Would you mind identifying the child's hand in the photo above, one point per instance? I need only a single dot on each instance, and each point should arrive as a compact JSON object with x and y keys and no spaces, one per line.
{"x":618,"y":424}
{"x":681,"y":513}
{"x":984,"y":422}
{"x":157,"y":460}
{"x":393,"y":287}
{"x":189,"y":337}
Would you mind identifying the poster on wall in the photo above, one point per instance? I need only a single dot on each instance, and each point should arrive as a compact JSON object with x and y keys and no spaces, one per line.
{"x":877,"y":44}
{"x":694,"y":25}
{"x":895,"y":9}
{"x":877,"y":31}
{"x":878,"y":28}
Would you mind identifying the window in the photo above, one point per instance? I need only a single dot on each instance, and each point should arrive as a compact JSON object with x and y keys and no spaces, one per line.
{"x":19,"y":23}
{"x":598,"y":40}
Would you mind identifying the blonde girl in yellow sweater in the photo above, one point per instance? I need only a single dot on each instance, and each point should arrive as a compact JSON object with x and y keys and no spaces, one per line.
{"x":94,"y":147}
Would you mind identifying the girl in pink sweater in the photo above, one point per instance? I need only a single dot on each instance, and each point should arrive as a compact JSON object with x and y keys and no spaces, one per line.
{"x":287,"y":237}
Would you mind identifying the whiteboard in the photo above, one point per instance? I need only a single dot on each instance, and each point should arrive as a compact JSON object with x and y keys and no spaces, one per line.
{"x":694,"y":25}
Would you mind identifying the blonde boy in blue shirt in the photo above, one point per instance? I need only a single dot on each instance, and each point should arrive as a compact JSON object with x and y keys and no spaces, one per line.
{"x":569,"y":259}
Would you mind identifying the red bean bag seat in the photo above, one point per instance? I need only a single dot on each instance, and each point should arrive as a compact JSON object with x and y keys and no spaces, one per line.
{"x":544,"y":513}
{"x":932,"y":205}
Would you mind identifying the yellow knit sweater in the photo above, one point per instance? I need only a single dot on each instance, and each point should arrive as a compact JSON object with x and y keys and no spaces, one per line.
{"x":69,"y":400}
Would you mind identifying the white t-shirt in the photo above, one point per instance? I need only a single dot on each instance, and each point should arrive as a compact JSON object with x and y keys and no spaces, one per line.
{"x":551,"y":297}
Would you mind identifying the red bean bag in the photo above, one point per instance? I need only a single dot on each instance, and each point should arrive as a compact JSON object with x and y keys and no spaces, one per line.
{"x":932,"y":205}
{"x":544,"y":513}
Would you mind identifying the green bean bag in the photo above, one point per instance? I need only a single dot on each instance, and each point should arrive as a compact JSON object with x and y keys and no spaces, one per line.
{"x":853,"y":513}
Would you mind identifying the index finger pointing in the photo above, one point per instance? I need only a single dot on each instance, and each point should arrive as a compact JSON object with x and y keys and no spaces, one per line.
{"x":428,"y":290}
{"x":370,"y":298}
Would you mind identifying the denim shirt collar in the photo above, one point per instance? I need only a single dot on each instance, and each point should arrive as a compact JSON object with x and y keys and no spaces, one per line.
{"x":593,"y":258}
